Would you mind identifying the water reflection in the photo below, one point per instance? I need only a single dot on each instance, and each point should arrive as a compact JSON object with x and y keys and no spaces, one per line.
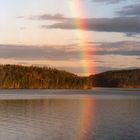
{"x":86,"y":118}
{"x":67,"y":119}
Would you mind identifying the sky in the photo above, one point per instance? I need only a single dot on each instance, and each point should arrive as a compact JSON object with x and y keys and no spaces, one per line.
{"x":80,"y":36}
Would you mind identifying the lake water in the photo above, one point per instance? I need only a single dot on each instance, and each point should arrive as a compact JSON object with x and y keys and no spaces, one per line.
{"x":99,"y":114}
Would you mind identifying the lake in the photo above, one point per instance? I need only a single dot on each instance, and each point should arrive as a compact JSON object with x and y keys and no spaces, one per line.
{"x":98,"y":114}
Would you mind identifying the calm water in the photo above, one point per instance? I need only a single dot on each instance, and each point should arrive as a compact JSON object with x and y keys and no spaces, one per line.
{"x":105,"y":114}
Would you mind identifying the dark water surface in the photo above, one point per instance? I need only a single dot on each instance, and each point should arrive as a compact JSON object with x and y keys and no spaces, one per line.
{"x":85,"y":116}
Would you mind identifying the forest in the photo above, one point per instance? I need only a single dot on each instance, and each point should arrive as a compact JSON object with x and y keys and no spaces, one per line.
{"x":32,"y":77}
{"x":118,"y":78}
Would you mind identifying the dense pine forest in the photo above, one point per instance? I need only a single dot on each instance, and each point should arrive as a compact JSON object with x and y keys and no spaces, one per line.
{"x":15,"y":76}
{"x":120,"y":78}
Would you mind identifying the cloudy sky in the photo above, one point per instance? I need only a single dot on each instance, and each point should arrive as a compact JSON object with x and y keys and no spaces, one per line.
{"x":80,"y":36}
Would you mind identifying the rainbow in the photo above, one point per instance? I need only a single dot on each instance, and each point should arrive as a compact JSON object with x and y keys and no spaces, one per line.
{"x":87,"y":106}
{"x":86,"y":119}
{"x":77,"y":10}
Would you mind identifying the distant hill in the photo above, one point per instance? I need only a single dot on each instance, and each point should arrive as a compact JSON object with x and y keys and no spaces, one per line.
{"x":15,"y":76}
{"x":120,"y":78}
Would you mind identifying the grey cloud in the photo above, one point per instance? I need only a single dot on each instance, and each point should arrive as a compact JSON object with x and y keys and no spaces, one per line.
{"x":126,"y":53}
{"x":126,"y":48}
{"x":24,"y":52}
{"x":126,"y":45}
{"x":21,"y":17}
{"x":56,"y":17}
{"x":131,"y":10}
{"x":68,"y":52}
{"x":52,"y":17}
{"x":99,"y":61}
{"x":22,"y":28}
{"x":127,"y":25}
{"x":109,"y":1}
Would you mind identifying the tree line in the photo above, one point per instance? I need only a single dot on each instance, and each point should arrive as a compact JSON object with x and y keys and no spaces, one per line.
{"x":119,"y":78}
{"x":32,"y":77}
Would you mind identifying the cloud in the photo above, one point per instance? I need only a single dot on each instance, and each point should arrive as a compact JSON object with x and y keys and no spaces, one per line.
{"x":109,"y":1}
{"x":56,"y":17}
{"x":125,"y":53}
{"x":24,"y":52}
{"x":106,"y":55}
{"x":127,"y":25}
{"x":22,"y":28}
{"x":124,"y":48}
{"x":52,"y":17}
{"x":21,"y":17}
{"x":69,"y":52}
{"x":131,"y":10}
